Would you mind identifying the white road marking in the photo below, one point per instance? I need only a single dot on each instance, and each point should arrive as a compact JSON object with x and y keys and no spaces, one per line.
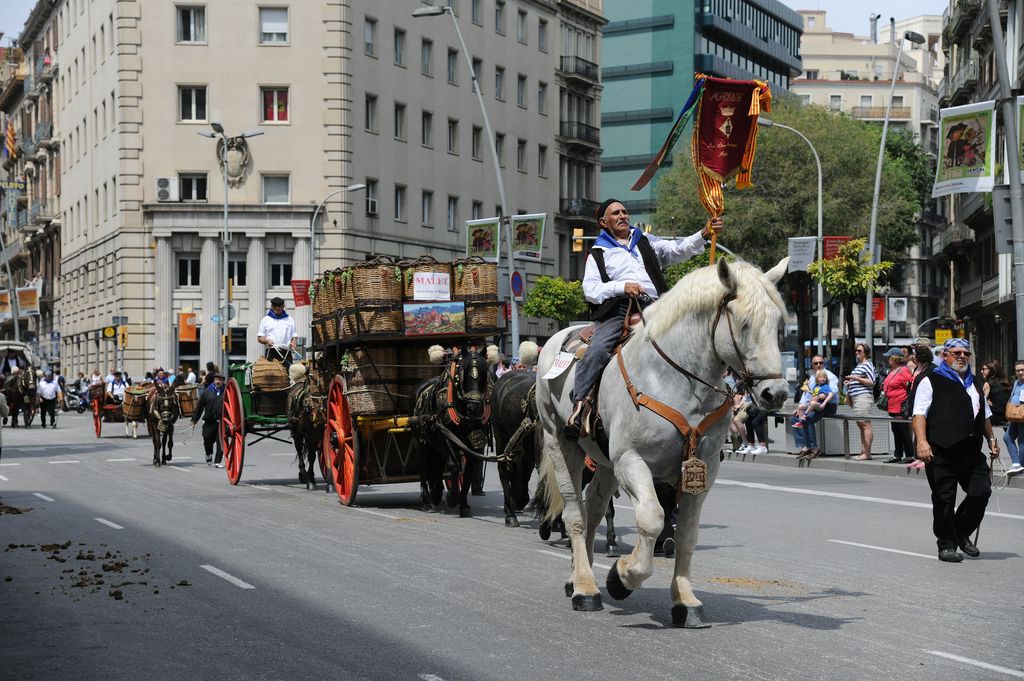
{"x":65,"y":461}
{"x":382,"y":515}
{"x":282,"y":454}
{"x":851,"y":497}
{"x":183,"y":470}
{"x":119,"y":460}
{"x":4,"y":479}
{"x":106,"y":522}
{"x":430,"y":677}
{"x":262,"y":487}
{"x":568,"y":556}
{"x":977,"y":663}
{"x":10,"y":464}
{"x":41,"y":496}
{"x":882,"y":548}
{"x":182,"y":458}
{"x":226,"y":577}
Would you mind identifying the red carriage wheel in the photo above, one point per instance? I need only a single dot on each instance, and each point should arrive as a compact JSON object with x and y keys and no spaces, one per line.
{"x":97,"y":416}
{"x":341,"y":444}
{"x":232,"y":431}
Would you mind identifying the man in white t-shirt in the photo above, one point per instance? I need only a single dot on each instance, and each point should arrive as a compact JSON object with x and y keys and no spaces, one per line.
{"x":277,"y":332}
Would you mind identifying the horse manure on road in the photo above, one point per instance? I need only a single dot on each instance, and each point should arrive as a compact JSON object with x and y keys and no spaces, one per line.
{"x":754,"y":584}
{"x":6,"y":509}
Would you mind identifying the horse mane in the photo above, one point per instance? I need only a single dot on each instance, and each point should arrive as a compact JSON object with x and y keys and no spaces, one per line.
{"x":700,"y":291}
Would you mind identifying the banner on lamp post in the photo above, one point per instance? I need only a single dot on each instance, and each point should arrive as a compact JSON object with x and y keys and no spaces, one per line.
{"x":830,"y":245}
{"x":967,"y":152}
{"x":28,"y":300}
{"x":300,"y":292}
{"x":528,"y":235}
{"x":801,"y":252}
{"x":878,"y":309}
{"x":5,"y":305}
{"x":483,"y":237}
{"x":897,"y":309}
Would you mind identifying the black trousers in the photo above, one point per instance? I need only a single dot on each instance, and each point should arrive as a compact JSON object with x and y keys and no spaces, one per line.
{"x":756,"y":431}
{"x":963,"y":465}
{"x":211,"y":432}
{"x":903,"y":442}
{"x":48,"y":407}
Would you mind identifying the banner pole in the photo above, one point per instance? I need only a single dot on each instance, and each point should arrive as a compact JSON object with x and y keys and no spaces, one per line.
{"x":714,"y":244}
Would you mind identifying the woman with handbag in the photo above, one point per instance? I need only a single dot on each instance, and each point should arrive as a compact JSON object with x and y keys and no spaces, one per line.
{"x":1014,"y":436}
{"x":895,"y":390}
{"x":996,"y":389}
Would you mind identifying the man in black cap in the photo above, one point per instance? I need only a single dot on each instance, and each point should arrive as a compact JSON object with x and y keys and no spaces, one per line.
{"x":277,"y":332}
{"x":211,"y":399}
{"x":623,"y":263}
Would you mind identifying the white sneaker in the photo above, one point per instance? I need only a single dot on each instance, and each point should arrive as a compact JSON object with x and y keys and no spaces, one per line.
{"x":759,"y":449}
{"x":1015,"y":469}
{"x":744,"y":448}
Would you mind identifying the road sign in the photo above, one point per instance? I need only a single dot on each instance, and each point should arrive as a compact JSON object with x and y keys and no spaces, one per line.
{"x":517,"y":285}
{"x":109,"y":332}
{"x":118,"y":320}
{"x":221,"y":315}
{"x":216,"y":318}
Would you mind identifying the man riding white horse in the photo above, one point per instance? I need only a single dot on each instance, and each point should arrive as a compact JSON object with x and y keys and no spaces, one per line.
{"x":624,"y":262}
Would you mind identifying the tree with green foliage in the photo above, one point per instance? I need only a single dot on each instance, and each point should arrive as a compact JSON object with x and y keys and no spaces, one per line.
{"x":555,"y":298}
{"x":784,"y":199}
{"x":846,"y":277}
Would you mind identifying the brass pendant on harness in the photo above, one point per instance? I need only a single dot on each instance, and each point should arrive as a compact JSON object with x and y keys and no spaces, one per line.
{"x":695,"y":476}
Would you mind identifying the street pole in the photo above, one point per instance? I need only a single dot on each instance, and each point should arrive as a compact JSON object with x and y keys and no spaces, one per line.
{"x":312,"y":224}
{"x":1013,"y":164}
{"x":505,"y":219}
{"x":869,"y":320}
{"x":768,"y":123}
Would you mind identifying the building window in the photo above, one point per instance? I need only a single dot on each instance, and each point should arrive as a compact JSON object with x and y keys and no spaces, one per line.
{"x":399,"y":122}
{"x":192,"y":103}
{"x":542,"y":98}
{"x":521,"y":91}
{"x":370,"y":118}
{"x":427,"y":57}
{"x":812,"y":74}
{"x":191,"y":24}
{"x":499,"y":17}
{"x":478,"y":67}
{"x":236,"y":271}
{"x":372,"y":207}
{"x":275,"y":188}
{"x":542,"y":160}
{"x":835,"y":102}
{"x":475,"y":142}
{"x":280,"y":271}
{"x":453,"y":136}
{"x":370,"y":37}
{"x":453,"y":214}
{"x":477,"y":210}
{"x":192,"y":186}
{"x":273,"y":25}
{"x":475,"y":11}
{"x":427,"y":129}
{"x":399,"y":203}
{"x":499,"y":148}
{"x":521,"y":155}
{"x":542,"y":35}
{"x":399,"y":47}
{"x":499,"y":82}
{"x":427,"y":208}
{"x":188,"y":270}
{"x":865,"y":100}
{"x":275,"y":104}
{"x":521,"y":27}
{"x":453,"y":67}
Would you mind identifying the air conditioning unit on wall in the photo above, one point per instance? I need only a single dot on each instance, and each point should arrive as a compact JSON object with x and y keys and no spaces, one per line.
{"x":167,"y":189}
{"x":371,"y":206}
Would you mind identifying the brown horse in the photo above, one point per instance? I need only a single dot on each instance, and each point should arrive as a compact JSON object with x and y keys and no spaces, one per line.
{"x":161,"y":413}
{"x":307,"y":416}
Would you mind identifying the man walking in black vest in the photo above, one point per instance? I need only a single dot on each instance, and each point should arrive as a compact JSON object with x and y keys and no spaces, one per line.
{"x":624,"y":262}
{"x":950,"y":421}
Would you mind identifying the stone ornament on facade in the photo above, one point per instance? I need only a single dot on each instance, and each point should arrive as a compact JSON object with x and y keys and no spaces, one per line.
{"x":237,"y":159}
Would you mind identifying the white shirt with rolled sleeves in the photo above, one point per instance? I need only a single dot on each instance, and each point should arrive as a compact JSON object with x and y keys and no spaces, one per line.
{"x":279,"y":331}
{"x":925,"y":392}
{"x":116,"y":388}
{"x":624,"y":266}
{"x":47,"y":390}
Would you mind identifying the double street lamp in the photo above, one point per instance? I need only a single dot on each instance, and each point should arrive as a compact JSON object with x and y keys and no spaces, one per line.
{"x":225,"y":143}
{"x":434,"y":11}
{"x":768,"y":123}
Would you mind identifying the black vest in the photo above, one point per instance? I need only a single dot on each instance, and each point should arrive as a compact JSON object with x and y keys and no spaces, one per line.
{"x":611,"y":306}
{"x":951,"y":418}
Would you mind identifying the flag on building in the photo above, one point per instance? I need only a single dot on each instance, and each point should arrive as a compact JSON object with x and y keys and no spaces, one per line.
{"x":10,"y":140}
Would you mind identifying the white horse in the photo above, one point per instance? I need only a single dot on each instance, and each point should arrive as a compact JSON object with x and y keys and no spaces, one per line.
{"x":725,"y":315}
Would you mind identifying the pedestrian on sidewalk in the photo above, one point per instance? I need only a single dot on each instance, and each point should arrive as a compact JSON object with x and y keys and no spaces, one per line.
{"x":951,"y":419}
{"x":860,"y":387}
{"x":49,"y":393}
{"x":1014,"y":435}
{"x":896,"y":388}
{"x":211,"y":399}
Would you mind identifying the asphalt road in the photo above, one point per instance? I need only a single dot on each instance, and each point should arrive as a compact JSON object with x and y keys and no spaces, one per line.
{"x":117,"y":570}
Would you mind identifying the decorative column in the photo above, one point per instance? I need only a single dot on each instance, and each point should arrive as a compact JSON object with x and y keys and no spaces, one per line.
{"x":212,"y":285}
{"x":165,"y":339}
{"x":256,"y":281}
{"x":300,"y":270}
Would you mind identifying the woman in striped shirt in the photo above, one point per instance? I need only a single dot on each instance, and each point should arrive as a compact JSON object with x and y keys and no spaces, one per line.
{"x":860,"y":386}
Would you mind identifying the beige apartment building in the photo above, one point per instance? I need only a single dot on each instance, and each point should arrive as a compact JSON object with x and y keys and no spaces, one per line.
{"x":343,"y":92}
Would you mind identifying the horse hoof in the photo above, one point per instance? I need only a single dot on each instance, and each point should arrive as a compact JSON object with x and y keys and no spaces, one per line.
{"x":616,"y":589}
{"x":511,"y":521}
{"x":302,"y":477}
{"x":545,"y":531}
{"x":568,"y":589}
{"x":669,"y":547}
{"x":612,"y":551}
{"x":587,"y":603}
{"x":689,"y":617}
{"x":465,"y":512}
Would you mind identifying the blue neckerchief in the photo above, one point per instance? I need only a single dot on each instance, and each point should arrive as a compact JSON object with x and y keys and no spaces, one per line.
{"x":945,"y":370}
{"x":213,"y":387}
{"x":274,"y":315}
{"x":606,"y":240}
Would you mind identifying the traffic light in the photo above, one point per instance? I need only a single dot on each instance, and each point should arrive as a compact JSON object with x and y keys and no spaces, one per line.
{"x":122,"y":337}
{"x":577,"y":239}
{"x":225,"y":342}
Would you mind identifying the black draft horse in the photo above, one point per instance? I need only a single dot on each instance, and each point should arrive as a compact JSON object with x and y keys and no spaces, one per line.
{"x":163,"y":411}
{"x":450,"y":423}
{"x":307,"y":416}
{"x":517,"y":439}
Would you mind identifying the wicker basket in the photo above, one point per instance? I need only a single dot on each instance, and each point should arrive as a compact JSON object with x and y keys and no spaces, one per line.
{"x":269,"y":375}
{"x":372,"y":320}
{"x":134,"y":405}
{"x":425,"y":263}
{"x":414,"y":368}
{"x":371,"y":380}
{"x":483,"y":315}
{"x":188,"y":398}
{"x":474,"y":279}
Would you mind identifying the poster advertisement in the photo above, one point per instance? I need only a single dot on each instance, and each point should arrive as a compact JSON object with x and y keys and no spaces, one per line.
{"x":483,"y":237}
{"x":967,"y":147}
{"x":528,"y":235}
{"x":801,"y":252}
{"x":897,"y":309}
{"x":300,"y":292}
{"x":431,"y":286}
{"x":5,"y":305}
{"x":187,"y":327}
{"x":28,"y":300}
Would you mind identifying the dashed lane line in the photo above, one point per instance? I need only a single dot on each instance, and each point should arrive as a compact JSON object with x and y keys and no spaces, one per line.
{"x":369,"y":512}
{"x":177,"y":468}
{"x":882,"y":548}
{"x":5,"y":479}
{"x":104,"y":521}
{"x":120,"y":460}
{"x":10,"y":464}
{"x":568,"y":556}
{"x":430,"y":677}
{"x":41,"y":496}
{"x":226,"y":577}
{"x":64,"y":461}
{"x":978,"y":663}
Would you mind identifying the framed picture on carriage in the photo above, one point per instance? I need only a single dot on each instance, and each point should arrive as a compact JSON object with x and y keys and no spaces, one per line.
{"x":434,"y":319}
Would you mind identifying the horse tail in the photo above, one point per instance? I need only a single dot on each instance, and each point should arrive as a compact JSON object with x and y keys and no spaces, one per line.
{"x":547,"y":491}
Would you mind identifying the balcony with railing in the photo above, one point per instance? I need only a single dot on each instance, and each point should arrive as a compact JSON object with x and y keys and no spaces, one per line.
{"x":578,"y":207}
{"x":578,"y":66}
{"x":899,"y":113}
{"x":964,"y":11}
{"x":43,"y":134}
{"x":27,"y":144}
{"x":945,"y":91}
{"x":41,"y":211}
{"x":955,"y":236}
{"x":965,"y":80}
{"x":22,"y":219}
{"x":575,"y":131}
{"x":45,"y":66}
{"x":969,"y":293}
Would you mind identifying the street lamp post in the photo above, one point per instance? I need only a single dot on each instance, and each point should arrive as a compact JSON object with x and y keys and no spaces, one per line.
{"x":768,"y":123}
{"x":312,"y":224}
{"x":434,"y":11}
{"x":219,"y":134}
{"x":869,"y":321}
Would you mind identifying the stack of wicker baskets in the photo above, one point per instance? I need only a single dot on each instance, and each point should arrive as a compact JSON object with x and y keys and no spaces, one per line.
{"x":475,"y":281}
{"x":411,"y":266}
{"x":371,"y":380}
{"x":414,"y":368}
{"x":371,"y":297}
{"x":326,"y":306}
